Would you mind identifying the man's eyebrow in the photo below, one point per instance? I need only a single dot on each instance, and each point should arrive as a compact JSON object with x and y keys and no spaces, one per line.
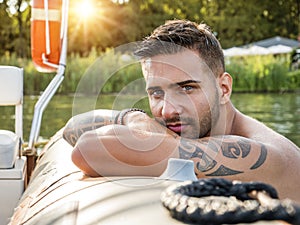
{"x":153,"y":88}
{"x":185,"y":82}
{"x":181,"y":83}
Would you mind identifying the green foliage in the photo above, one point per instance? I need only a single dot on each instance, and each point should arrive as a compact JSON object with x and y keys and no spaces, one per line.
{"x":262,"y":74}
{"x":242,"y":22}
{"x":108,"y":73}
{"x":115,"y":72}
{"x":15,"y":27}
{"x":294,"y":80}
{"x":235,"y":22}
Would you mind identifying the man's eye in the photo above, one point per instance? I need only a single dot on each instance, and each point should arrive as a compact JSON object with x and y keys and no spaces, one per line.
{"x":156,"y":93}
{"x":187,"y":88}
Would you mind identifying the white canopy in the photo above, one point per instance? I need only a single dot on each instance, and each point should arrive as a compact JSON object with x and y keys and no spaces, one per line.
{"x":280,"y":49}
{"x":257,"y":50}
{"x":235,"y":51}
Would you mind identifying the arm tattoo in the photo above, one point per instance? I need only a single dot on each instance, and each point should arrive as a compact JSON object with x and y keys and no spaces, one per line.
{"x":224,"y":171}
{"x":72,"y":133}
{"x":233,"y":148}
{"x":236,"y":149}
{"x":261,"y":159}
{"x":203,"y":161}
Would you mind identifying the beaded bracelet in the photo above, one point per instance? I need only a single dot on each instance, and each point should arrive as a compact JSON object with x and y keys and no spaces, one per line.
{"x":120,"y":117}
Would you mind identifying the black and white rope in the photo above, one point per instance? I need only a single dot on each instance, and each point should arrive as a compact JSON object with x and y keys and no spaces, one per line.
{"x":220,"y":201}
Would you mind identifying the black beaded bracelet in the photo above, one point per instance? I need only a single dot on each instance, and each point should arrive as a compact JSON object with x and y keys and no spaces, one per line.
{"x":120,"y":117}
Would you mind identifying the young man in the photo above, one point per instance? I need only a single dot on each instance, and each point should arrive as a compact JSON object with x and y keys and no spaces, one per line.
{"x":193,"y":118}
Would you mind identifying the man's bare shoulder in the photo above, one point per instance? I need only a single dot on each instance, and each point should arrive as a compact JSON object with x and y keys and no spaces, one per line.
{"x":251,"y":128}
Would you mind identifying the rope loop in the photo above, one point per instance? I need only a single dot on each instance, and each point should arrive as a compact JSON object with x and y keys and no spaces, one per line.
{"x":220,"y":201}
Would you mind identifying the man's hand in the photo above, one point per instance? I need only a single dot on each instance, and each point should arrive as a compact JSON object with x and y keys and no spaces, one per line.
{"x":141,"y":121}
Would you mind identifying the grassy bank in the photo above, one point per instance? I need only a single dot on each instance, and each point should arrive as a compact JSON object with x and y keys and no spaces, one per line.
{"x":263,"y":74}
{"x":111,"y":72}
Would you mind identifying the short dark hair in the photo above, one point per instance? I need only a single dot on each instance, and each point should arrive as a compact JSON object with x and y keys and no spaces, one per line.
{"x":176,"y":35}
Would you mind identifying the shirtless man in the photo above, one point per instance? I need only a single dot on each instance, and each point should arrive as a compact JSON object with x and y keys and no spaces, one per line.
{"x":192,"y":118}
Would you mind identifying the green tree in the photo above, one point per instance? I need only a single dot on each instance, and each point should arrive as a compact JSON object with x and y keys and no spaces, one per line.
{"x":242,"y":22}
{"x":113,"y":24}
{"x":118,"y":22}
{"x":5,"y":30}
{"x":16,"y":27}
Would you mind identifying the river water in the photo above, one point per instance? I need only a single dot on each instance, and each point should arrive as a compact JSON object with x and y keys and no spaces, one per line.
{"x":281,"y":112}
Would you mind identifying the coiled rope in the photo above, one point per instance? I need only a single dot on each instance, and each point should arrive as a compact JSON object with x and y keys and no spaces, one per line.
{"x":220,"y":201}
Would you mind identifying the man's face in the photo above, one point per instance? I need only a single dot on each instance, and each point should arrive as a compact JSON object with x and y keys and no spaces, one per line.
{"x":182,"y":93}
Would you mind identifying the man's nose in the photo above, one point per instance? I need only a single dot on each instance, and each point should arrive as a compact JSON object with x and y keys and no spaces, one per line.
{"x":170,"y":108}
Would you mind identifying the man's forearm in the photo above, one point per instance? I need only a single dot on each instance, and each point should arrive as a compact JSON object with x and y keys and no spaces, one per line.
{"x":92,"y":120}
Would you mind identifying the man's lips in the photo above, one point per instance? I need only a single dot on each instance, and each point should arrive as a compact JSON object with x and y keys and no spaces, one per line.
{"x":177,"y":128}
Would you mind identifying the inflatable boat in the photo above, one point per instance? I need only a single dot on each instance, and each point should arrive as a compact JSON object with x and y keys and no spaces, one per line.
{"x":47,"y":188}
{"x":59,"y":193}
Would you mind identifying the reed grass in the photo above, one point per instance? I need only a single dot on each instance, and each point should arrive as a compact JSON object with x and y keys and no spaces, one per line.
{"x":108,"y":72}
{"x":266,"y":73}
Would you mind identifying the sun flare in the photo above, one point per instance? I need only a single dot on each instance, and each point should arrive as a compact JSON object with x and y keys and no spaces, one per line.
{"x":85,"y":9}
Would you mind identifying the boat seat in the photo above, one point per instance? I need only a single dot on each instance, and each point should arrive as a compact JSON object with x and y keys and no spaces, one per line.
{"x":11,"y":94}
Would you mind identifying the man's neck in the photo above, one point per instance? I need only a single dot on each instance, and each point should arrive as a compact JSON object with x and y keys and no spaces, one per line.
{"x":224,"y":125}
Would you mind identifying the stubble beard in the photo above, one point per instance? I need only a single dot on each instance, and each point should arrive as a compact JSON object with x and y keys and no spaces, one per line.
{"x":203,"y":126}
{"x":200,"y":126}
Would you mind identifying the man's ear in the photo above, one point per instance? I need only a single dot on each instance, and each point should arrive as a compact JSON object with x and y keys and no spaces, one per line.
{"x":225,"y":83}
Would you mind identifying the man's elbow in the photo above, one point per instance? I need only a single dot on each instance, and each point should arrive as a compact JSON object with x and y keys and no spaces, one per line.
{"x":69,"y":133}
{"x":82,"y":164}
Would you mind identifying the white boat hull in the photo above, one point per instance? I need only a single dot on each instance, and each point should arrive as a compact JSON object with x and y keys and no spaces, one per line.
{"x":59,"y":193}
